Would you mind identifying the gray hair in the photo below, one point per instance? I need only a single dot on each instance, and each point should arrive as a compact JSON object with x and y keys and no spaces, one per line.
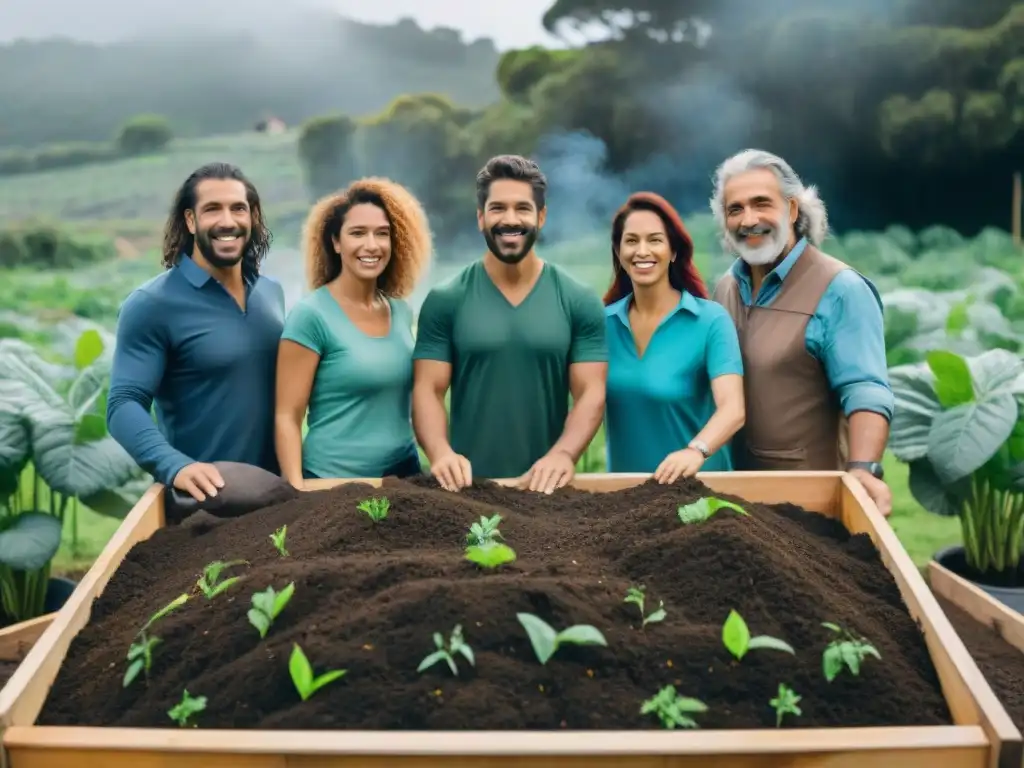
{"x":812,"y":218}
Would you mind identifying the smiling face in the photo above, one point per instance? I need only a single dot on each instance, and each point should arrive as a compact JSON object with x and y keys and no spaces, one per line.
{"x":644,"y":250}
{"x":759,"y":220}
{"x":510,"y":220}
{"x":364,"y":242}
{"x":221,"y":222}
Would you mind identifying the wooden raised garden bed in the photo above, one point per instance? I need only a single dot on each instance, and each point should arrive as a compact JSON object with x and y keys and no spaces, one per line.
{"x":64,"y":679}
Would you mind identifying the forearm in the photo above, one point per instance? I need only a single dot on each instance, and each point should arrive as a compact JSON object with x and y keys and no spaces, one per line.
{"x":288,"y":444}
{"x":869,"y":433}
{"x":430,"y":422}
{"x":130,"y":424}
{"x":723,"y":424}
{"x":583,"y":421}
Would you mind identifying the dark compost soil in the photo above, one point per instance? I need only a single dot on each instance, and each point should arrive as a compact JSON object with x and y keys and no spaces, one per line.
{"x":368,"y":599}
{"x":1001,"y":663}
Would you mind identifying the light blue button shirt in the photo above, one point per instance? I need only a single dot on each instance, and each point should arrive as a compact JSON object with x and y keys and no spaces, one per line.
{"x":656,"y":404}
{"x":846,"y":333}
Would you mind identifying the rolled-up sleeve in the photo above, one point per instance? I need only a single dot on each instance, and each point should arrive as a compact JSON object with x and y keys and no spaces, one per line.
{"x":849,"y":339}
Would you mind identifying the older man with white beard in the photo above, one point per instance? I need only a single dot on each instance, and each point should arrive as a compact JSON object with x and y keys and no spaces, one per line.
{"x":810,"y":329}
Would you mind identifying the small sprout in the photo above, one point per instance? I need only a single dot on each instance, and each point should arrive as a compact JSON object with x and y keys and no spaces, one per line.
{"x":785,"y":704}
{"x":490,"y":555}
{"x":266,"y":606}
{"x":302,"y":674}
{"x":636,"y":595}
{"x":140,"y":653}
{"x":177,"y":602}
{"x":455,"y":645}
{"x":546,"y":641}
{"x":190,"y":705}
{"x":209,"y":582}
{"x":704,"y":508}
{"x":672,"y":709}
{"x":736,"y":637}
{"x":377,"y":508}
{"x":849,"y":651}
{"x":278,"y":538}
{"x":484,"y":532}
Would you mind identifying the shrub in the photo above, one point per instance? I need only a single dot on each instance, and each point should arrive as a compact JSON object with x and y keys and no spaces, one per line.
{"x":144,"y":134}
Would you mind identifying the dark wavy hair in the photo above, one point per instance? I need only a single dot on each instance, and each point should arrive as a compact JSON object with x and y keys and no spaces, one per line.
{"x":682,"y":272}
{"x":178,"y":240}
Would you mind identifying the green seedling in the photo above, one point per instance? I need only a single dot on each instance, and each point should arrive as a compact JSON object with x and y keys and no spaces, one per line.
{"x":702,"y":509}
{"x":189,"y":705}
{"x":302,"y":674}
{"x":377,"y":507}
{"x":490,"y":555}
{"x":846,"y":651}
{"x":672,"y":709}
{"x":209,"y":582}
{"x":140,"y":653}
{"x":455,"y":645}
{"x":266,"y":606}
{"x":546,"y":641}
{"x":736,"y":637}
{"x":636,"y":595}
{"x":785,"y":703}
{"x":278,"y":538}
{"x":484,"y":532}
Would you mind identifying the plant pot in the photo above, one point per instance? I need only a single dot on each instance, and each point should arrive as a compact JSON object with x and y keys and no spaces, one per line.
{"x":954,"y":559}
{"x":58,"y":590}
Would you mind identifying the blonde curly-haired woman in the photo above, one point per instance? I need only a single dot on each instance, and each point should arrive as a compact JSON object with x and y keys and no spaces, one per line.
{"x":346,"y":350}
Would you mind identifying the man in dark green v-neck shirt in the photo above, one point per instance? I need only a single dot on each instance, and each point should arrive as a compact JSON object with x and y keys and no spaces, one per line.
{"x":513,"y":337}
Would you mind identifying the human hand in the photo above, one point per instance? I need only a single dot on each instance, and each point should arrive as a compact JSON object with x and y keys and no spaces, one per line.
{"x":452,"y":471}
{"x":551,"y":471}
{"x":879,"y":492}
{"x":684,"y":463}
{"x":199,"y":480}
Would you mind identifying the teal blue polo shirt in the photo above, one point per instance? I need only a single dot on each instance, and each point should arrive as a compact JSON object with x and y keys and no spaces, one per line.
{"x":656,"y":404}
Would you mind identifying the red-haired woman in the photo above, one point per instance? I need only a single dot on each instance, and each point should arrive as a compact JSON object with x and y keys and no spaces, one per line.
{"x":675,"y":374}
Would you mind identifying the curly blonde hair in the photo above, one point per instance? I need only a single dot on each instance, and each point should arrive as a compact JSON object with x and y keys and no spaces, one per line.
{"x":411,"y":241}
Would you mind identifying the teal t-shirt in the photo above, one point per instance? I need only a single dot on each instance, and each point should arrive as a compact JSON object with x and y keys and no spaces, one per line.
{"x":361,"y":403}
{"x":510,"y":364}
{"x":656,"y":404}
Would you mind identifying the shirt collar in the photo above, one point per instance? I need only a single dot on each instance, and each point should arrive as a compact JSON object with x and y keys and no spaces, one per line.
{"x":620,"y":308}
{"x":200,"y":277}
{"x":741,"y":270}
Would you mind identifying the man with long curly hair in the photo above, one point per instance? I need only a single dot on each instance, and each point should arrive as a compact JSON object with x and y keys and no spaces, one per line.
{"x":810,"y":330}
{"x":200,"y":341}
{"x":513,"y":337}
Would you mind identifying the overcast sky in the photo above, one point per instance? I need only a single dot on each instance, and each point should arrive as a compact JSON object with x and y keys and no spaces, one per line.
{"x":510,"y":24}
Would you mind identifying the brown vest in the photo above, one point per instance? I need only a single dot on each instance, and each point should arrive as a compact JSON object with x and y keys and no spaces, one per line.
{"x":794,"y":420}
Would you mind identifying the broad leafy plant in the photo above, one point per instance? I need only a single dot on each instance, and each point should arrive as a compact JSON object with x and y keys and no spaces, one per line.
{"x":959,"y":426}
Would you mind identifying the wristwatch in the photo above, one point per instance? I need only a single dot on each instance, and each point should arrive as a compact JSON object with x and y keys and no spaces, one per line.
{"x":873,"y":468}
{"x":701,"y":447}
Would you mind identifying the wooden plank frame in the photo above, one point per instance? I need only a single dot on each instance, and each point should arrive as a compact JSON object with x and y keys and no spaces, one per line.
{"x":17,"y":640}
{"x":983,"y":735}
{"x":1001,"y":619}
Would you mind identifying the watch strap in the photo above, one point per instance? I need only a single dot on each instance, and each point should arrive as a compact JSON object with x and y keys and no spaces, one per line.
{"x":873,"y":468}
{"x":701,"y":447}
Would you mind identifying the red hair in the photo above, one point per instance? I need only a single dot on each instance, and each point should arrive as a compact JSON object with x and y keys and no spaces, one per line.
{"x":682,"y":272}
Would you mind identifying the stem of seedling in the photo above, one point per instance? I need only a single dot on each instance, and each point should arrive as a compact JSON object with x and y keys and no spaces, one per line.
{"x":278,"y":537}
{"x":140,"y":653}
{"x":377,"y":507}
{"x":737,"y":639}
{"x":672,"y":709}
{"x":189,"y":705}
{"x":546,"y":641}
{"x":209,"y":582}
{"x":846,"y":651}
{"x":266,"y":606}
{"x":785,"y":703}
{"x":636,"y":595}
{"x":455,"y":645}
{"x":302,"y":674}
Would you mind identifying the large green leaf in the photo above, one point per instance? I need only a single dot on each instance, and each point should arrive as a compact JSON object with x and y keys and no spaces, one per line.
{"x":964,"y":438}
{"x":88,"y":349}
{"x":929,"y":492}
{"x":916,"y":407}
{"x":995,"y":371}
{"x":118,"y":502}
{"x":953,"y":383}
{"x":15,"y":443}
{"x":29,"y":540}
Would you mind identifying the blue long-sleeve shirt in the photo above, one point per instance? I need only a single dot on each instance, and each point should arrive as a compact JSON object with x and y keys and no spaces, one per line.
{"x":846,"y":333}
{"x":184,"y":344}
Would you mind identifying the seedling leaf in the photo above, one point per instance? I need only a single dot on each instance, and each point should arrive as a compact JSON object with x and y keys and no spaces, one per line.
{"x":455,"y":645}
{"x":769,"y":643}
{"x":581,"y":634}
{"x":847,"y":650}
{"x":490,"y":555}
{"x":546,"y":641}
{"x":376,"y":508}
{"x":785,"y":703}
{"x":267,"y":605}
{"x":672,"y":709}
{"x":189,"y":705}
{"x":736,"y":638}
{"x":702,"y":509}
{"x":177,"y":602}
{"x":278,"y":539}
{"x":302,"y":674}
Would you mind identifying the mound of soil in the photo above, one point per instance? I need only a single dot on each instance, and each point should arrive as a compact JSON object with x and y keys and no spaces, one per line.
{"x":1002,"y":664}
{"x":369,"y":597}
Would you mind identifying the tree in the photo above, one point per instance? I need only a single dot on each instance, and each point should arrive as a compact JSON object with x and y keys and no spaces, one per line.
{"x":144,"y":134}
{"x":326,"y":153}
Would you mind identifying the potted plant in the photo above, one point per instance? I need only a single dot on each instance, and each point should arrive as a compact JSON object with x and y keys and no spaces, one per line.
{"x":959,"y":425}
{"x":55,"y":421}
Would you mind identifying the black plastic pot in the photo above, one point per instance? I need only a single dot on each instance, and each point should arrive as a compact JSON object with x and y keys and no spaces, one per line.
{"x":57,"y":593}
{"x":954,"y":559}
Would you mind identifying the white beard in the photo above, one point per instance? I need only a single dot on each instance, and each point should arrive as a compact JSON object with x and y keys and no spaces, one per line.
{"x":762,"y":254}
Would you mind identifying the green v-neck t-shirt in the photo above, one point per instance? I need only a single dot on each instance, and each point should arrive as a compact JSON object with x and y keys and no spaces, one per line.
{"x":510,"y":364}
{"x":360,"y":406}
